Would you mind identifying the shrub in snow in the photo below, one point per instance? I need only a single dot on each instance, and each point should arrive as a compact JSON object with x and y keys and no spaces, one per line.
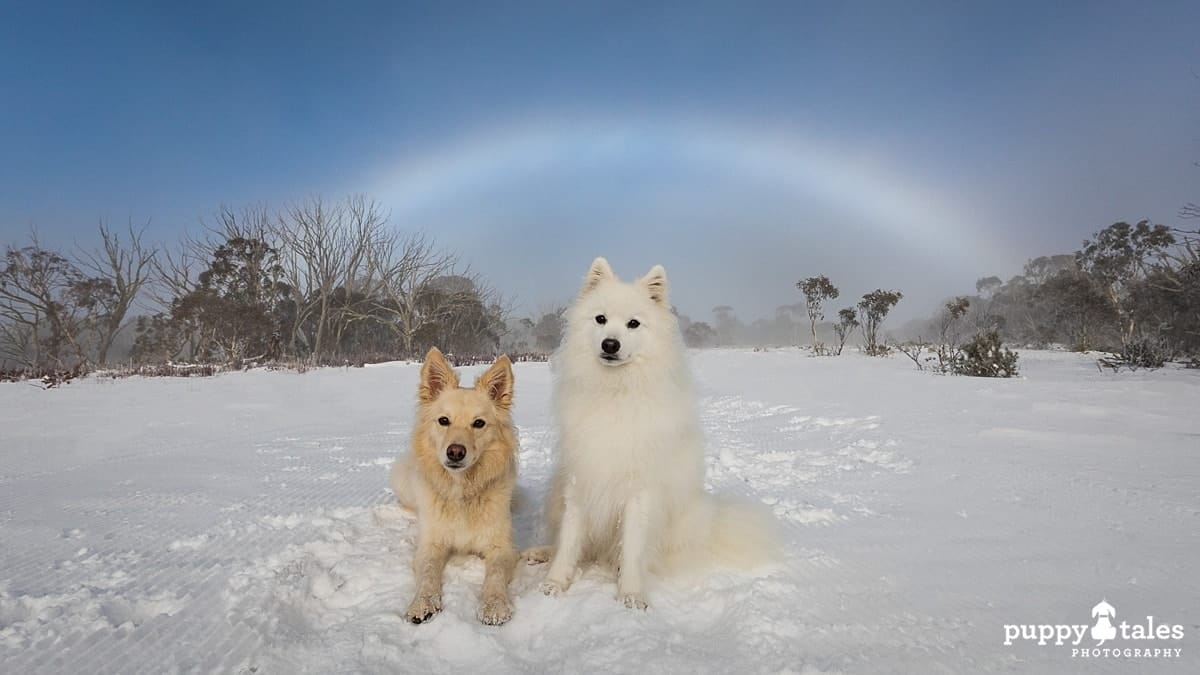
{"x":984,"y":356}
{"x":916,"y":350}
{"x":847,"y":322}
{"x":1145,"y":353}
{"x":49,"y":377}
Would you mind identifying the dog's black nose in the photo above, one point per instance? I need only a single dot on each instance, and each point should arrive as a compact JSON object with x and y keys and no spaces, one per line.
{"x":456,"y":453}
{"x":610,"y":346}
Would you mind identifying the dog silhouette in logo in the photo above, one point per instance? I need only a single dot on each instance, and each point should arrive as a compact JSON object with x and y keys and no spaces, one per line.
{"x":1103,"y":631}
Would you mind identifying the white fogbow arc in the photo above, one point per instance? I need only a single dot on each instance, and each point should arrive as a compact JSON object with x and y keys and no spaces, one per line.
{"x":785,"y":161}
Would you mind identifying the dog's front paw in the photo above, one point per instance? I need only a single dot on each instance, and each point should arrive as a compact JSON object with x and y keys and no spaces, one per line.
{"x":634,"y":600}
{"x":423,"y":607}
{"x":553,"y":588}
{"x":495,"y":610}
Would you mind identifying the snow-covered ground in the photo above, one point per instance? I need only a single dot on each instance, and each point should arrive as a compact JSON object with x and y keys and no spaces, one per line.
{"x":242,"y":524}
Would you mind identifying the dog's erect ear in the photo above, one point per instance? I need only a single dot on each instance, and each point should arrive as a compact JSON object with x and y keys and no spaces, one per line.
{"x":436,"y":376}
{"x":497,"y":383}
{"x":655,"y":282}
{"x":599,"y":271}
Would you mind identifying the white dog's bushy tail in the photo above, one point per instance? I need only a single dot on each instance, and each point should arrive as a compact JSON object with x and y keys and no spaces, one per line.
{"x":742,"y":535}
{"x":726,"y":533}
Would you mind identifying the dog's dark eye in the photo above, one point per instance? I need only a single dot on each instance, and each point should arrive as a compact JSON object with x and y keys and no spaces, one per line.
{"x":478,"y":424}
{"x":633,"y":323}
{"x":444,"y":421}
{"x":601,"y":319}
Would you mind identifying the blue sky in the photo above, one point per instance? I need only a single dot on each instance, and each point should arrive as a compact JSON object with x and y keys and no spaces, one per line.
{"x":744,"y":145}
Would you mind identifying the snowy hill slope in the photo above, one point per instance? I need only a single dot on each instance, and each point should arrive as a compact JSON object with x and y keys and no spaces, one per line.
{"x":242,"y":524}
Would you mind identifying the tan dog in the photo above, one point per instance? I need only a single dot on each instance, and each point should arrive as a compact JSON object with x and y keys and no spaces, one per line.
{"x":459,"y":478}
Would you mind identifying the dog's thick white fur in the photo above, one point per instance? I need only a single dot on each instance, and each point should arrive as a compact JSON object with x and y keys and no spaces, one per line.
{"x":628,"y":487}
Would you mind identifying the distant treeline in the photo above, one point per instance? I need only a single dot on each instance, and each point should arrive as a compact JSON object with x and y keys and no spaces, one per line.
{"x":331,"y":283}
{"x":1133,"y":290}
{"x":317,"y":282}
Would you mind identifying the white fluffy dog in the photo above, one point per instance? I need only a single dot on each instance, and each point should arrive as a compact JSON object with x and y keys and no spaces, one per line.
{"x":628,"y":488}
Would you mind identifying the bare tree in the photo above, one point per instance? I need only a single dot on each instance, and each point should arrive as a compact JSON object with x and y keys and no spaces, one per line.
{"x":175,"y":271}
{"x":312,"y":254}
{"x":176,"y":275}
{"x":120,"y":270}
{"x":326,"y":253}
{"x":461,"y":314}
{"x":404,"y":267}
{"x":949,"y":333}
{"x":365,"y":226}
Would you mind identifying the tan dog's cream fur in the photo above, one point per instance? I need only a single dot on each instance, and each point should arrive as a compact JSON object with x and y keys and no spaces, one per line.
{"x":465,"y":510}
